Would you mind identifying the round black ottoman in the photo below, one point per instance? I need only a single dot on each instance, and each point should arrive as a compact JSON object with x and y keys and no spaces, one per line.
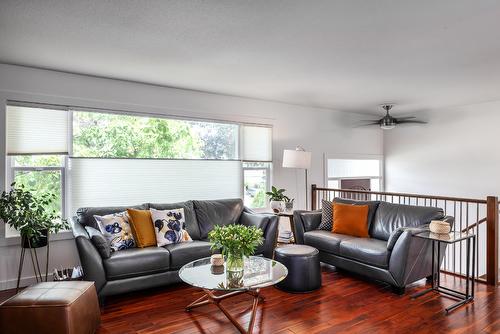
{"x":302,"y":262}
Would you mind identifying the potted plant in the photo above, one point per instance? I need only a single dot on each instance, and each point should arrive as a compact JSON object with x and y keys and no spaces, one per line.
{"x":235,"y":242}
{"x":277,"y":199}
{"x":28,"y":214}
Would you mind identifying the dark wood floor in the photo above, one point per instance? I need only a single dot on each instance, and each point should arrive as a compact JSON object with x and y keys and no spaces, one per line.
{"x":345,"y":304}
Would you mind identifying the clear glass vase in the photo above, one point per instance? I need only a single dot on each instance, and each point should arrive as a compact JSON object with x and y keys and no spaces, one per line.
{"x":235,"y":262}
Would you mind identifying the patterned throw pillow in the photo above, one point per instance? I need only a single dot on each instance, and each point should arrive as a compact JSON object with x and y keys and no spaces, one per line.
{"x":116,"y":229}
{"x":169,"y":226}
{"x":326,"y":216}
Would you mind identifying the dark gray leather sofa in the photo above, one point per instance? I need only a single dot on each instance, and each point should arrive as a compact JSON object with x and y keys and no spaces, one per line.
{"x":140,"y":268}
{"x":390,"y":255}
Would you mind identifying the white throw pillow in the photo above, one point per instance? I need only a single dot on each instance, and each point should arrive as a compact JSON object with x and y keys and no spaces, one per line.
{"x":169,"y":226}
{"x":116,"y":229}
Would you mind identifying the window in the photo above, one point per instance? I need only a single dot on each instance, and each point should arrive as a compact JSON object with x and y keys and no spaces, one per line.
{"x":256,"y":176}
{"x":106,"y":135}
{"x":358,"y":174}
{"x":41,"y":174}
{"x":106,"y":158}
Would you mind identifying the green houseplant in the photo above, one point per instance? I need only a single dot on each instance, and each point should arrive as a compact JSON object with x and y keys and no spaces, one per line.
{"x":279,"y":200}
{"x":27,"y":213}
{"x":235,"y":242}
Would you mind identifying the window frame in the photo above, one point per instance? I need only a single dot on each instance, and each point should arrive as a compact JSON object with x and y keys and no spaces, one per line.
{"x":11,"y":174}
{"x":267,"y":169}
{"x":379,"y":158}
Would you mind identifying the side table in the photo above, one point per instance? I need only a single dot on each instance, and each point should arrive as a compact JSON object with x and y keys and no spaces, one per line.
{"x":451,"y":238}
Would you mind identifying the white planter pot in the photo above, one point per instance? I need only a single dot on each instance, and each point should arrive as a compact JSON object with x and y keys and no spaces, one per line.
{"x":278,"y":206}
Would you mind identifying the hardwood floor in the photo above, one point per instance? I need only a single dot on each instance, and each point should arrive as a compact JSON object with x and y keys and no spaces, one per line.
{"x":345,"y":304}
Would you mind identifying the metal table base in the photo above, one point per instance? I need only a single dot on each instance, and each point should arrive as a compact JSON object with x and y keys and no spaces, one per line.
{"x":210,"y":298}
{"x":463,"y":298}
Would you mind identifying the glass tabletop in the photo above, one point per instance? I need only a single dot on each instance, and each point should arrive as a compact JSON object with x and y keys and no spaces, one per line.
{"x":445,"y":237}
{"x":259,"y":272}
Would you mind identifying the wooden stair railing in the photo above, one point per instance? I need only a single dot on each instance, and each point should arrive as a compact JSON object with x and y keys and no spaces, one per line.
{"x":461,"y":208}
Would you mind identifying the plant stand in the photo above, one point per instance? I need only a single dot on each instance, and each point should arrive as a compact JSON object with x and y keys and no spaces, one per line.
{"x":34,"y":262}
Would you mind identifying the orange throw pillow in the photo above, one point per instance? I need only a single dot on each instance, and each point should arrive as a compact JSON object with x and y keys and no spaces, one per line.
{"x":142,"y":228}
{"x":350,"y":219}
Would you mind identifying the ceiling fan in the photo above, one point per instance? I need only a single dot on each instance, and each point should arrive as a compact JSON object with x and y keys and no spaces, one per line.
{"x":388,"y":122}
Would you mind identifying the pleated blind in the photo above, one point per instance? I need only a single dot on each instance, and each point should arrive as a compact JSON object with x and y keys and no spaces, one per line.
{"x":257,"y":143}
{"x":36,"y":130}
{"x":98,"y":182}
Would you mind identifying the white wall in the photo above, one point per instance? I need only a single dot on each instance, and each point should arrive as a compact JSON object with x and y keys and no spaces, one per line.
{"x":456,"y":154}
{"x":318,"y":130}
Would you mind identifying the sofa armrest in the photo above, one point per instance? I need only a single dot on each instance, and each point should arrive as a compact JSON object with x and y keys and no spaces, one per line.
{"x":269,"y":225}
{"x":305,"y":221}
{"x":414,"y":230}
{"x":393,"y":238}
{"x":93,"y":269}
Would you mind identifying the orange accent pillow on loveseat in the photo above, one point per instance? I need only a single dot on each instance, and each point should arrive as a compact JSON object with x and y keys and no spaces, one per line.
{"x":350,"y":219}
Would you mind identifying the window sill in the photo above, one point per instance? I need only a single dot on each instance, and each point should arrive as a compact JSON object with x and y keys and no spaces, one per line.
{"x":16,"y":240}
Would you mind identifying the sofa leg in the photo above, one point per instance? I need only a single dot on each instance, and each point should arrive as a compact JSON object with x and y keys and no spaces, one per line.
{"x":428,"y":279}
{"x":399,"y":290}
{"x":102,"y":300}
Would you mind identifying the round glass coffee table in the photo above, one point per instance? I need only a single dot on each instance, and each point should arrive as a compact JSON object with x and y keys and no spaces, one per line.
{"x":219,"y":284}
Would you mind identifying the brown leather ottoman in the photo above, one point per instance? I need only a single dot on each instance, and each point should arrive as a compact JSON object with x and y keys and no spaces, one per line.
{"x":52,"y":307}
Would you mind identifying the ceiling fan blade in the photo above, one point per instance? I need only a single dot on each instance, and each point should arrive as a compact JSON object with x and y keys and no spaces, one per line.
{"x":411,"y":121}
{"x":369,"y":120}
{"x":405,"y":118}
{"x":369,"y":124}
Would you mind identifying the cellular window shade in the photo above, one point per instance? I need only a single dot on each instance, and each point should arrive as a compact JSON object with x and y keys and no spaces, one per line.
{"x":257,"y":143}
{"x":109,"y":182}
{"x":36,"y":131}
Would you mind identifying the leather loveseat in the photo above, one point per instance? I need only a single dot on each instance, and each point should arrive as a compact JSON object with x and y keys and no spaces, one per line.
{"x":140,"y":268}
{"x":390,"y":255}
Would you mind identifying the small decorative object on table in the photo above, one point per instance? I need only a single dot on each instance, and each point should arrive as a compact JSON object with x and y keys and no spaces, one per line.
{"x":217,"y":260}
{"x":439,"y":227}
{"x":289,"y":204}
{"x":235,"y":242}
{"x":68,"y":274}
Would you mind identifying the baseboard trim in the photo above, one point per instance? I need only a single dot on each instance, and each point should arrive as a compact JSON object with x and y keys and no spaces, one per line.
{"x":25,"y":281}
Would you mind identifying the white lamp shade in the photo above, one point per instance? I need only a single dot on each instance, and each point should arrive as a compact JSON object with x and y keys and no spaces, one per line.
{"x":296,"y":159}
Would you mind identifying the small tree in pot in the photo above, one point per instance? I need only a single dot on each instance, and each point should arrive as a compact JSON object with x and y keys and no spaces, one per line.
{"x":28,"y":214}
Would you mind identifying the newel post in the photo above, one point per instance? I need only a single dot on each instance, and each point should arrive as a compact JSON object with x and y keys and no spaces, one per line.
{"x":492,"y":240}
{"x":313,"y":197}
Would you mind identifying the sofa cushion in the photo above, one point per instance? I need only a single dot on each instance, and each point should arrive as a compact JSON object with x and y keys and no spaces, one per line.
{"x":390,"y":217}
{"x":99,"y":241}
{"x":250,"y":219}
{"x":326,"y":216}
{"x":86,"y":215}
{"x":350,"y":219}
{"x":189,"y":215}
{"x":136,"y":262}
{"x":325,"y":241}
{"x":372,"y":206}
{"x":367,"y":250}
{"x":217,"y":212}
{"x":141,"y":224}
{"x":185,"y":252}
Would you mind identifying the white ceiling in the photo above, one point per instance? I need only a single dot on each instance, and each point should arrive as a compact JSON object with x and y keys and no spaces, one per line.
{"x":349,"y":55}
